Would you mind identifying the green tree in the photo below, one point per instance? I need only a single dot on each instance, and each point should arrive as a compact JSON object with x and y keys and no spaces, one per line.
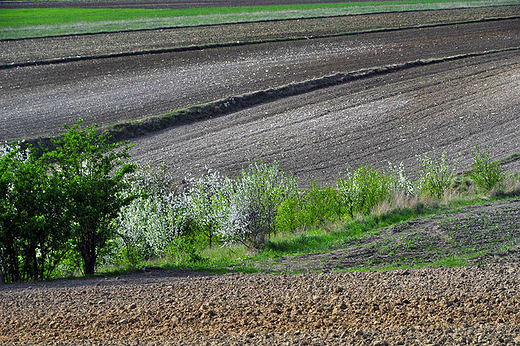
{"x":91,"y":172}
{"x":9,"y":251}
{"x":33,"y":224}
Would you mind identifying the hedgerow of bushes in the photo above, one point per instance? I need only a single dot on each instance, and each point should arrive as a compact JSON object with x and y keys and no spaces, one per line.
{"x":83,"y":204}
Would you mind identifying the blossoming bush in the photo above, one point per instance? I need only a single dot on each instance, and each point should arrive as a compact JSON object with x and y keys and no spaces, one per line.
{"x":254,"y":197}
{"x":363,"y":189}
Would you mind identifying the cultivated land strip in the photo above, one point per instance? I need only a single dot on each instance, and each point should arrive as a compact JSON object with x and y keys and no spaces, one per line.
{"x":451,"y":106}
{"x":38,"y":100}
{"x":477,"y":305}
{"x":21,"y":51}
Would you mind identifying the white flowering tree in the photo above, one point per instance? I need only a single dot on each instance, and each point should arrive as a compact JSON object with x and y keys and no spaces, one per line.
{"x":207,"y":201}
{"x":254,"y":197}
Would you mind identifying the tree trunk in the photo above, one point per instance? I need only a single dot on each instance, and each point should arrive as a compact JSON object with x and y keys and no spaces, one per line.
{"x":88,"y":251}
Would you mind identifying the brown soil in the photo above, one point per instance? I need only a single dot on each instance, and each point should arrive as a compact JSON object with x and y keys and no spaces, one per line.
{"x":36,"y":101}
{"x":99,"y":44}
{"x":430,"y":306}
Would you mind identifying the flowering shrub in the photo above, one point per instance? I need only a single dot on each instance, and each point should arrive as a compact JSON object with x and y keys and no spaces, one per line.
{"x":363,"y":189}
{"x":206,"y":202}
{"x":254,"y":197}
{"x":435,"y":175}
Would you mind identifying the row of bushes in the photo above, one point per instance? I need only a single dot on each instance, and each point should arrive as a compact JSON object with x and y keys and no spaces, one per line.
{"x":263,"y":200}
{"x":83,"y":204}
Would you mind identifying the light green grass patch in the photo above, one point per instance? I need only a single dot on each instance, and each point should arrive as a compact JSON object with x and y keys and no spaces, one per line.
{"x":24,"y":23}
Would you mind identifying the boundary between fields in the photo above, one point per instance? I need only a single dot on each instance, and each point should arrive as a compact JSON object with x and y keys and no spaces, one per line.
{"x":235,"y":44}
{"x":138,"y":128}
{"x":245,"y":22}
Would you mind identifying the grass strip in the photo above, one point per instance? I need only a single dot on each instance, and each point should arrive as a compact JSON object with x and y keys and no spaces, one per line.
{"x":30,"y":23}
{"x":235,"y":43}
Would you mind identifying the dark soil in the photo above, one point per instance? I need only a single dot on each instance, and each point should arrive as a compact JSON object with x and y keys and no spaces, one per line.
{"x":36,"y":101}
{"x":111,"y":43}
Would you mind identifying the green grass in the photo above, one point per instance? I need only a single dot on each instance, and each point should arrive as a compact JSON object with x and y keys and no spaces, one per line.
{"x":22,"y":23}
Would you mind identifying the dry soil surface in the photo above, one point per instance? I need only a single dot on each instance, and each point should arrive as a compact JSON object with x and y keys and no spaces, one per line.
{"x":430,"y":306}
{"x":451,"y":106}
{"x":13,"y":51}
{"x":36,"y":101}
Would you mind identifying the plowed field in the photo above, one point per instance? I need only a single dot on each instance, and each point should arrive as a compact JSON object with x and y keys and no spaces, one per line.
{"x":442,"y":306}
{"x":447,"y":106}
{"x":450,"y":106}
{"x":37,"y":100}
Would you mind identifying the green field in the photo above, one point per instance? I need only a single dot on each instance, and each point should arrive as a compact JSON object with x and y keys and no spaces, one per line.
{"x":23,"y":23}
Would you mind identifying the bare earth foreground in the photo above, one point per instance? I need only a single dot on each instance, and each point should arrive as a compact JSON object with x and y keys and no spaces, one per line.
{"x":443,"y":306}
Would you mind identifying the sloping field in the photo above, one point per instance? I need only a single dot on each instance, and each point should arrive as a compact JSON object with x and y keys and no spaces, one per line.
{"x":449,"y":106}
{"x":16,"y":51}
{"x":37,"y":100}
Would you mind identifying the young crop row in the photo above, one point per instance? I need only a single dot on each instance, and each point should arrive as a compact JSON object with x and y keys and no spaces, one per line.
{"x":83,"y":204}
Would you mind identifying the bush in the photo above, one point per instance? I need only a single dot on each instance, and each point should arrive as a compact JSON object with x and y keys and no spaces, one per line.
{"x":363,"y":189}
{"x":435,"y":175}
{"x":315,"y":206}
{"x":254,"y":197}
{"x":486,"y":173}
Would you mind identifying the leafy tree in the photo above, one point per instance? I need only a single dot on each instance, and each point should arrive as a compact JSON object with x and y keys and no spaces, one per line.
{"x":34,"y":230}
{"x":9,"y":253}
{"x":91,"y":171}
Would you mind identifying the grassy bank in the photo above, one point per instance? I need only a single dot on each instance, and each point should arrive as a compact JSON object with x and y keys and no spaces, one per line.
{"x":25,"y":23}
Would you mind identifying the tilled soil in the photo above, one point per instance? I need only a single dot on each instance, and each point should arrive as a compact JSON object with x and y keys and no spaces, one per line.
{"x":430,"y":306}
{"x":36,"y":101}
{"x":110,"y":43}
{"x":450,"y":106}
